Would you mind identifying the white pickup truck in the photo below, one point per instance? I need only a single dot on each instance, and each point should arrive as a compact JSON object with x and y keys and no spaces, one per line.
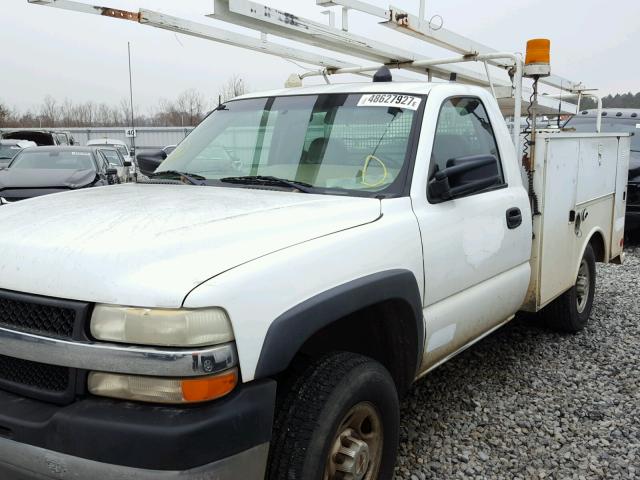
{"x":261,"y":303}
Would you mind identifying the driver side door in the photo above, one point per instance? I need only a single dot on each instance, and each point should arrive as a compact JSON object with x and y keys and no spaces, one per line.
{"x":476,"y":259}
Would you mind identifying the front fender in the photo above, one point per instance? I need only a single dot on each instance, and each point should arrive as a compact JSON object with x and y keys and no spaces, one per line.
{"x":293,"y":328}
{"x":278,"y":294}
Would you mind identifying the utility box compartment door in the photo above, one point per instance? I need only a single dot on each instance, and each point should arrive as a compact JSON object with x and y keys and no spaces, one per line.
{"x":560,"y":163}
{"x":597,"y":169}
{"x":620,"y":201}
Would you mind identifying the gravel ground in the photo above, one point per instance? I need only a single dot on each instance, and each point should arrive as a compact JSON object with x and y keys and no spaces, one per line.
{"x":530,"y":403}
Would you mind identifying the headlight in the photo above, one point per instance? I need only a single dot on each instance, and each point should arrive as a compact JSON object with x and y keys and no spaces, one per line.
{"x":163,"y":327}
{"x":162,"y":390}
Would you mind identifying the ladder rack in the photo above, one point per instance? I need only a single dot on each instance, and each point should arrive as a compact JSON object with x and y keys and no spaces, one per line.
{"x":267,"y":22}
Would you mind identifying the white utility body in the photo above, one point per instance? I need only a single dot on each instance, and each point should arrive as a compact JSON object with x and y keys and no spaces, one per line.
{"x":295,"y":265}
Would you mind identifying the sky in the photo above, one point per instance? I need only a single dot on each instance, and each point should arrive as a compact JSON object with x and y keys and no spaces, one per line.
{"x":69,"y":55}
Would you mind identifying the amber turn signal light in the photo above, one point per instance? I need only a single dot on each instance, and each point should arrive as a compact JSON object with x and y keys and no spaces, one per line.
{"x":209,"y":388}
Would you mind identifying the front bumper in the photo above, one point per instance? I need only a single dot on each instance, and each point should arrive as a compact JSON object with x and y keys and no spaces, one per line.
{"x":24,"y":462}
{"x":107,"y":439}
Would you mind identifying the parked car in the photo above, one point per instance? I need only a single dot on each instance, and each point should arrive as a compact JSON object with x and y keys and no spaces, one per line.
{"x":114,"y":158}
{"x":43,"y":170}
{"x":264,"y":300}
{"x":39,"y":137}
{"x":66,"y":138}
{"x":120,"y":145}
{"x":10,"y":148}
{"x":618,"y":120}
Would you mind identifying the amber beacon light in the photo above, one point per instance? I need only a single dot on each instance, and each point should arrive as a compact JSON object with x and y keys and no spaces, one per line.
{"x":537,"y":61}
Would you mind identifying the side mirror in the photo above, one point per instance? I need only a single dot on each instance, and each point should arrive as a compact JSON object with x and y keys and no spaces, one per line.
{"x":150,"y":160}
{"x":126,"y":164}
{"x":112,"y":171}
{"x":463,"y":176}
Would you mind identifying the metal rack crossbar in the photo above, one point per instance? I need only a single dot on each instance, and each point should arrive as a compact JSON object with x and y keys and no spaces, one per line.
{"x":268,"y":22}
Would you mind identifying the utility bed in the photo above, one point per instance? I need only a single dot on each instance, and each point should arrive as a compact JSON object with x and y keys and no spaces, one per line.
{"x":580,"y":182}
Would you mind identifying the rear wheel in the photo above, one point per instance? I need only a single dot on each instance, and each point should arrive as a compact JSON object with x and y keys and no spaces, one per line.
{"x":337,"y":420}
{"x":570,"y":312}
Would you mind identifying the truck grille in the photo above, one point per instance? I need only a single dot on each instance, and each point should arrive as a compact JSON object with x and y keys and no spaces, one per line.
{"x":46,"y":317}
{"x":46,"y":378}
{"x":37,"y":318}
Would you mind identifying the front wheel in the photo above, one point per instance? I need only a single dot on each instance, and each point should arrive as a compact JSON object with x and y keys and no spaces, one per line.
{"x":570,"y":312}
{"x":339,"y":419}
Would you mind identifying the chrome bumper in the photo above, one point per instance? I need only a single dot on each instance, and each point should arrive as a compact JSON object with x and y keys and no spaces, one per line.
{"x":19,"y":461}
{"x":108,"y":357}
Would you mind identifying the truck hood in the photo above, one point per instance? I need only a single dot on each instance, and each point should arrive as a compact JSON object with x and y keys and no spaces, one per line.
{"x":149,"y":245}
{"x":41,"y":178}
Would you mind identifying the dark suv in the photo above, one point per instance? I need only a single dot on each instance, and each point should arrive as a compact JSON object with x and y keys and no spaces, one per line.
{"x":618,"y":120}
{"x":40,"y":137}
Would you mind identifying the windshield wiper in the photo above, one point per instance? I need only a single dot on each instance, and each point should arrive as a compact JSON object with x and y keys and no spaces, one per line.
{"x":192,"y":178}
{"x":268,"y":180}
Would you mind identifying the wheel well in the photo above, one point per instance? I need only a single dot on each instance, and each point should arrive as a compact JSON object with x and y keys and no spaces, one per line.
{"x":597,"y":244}
{"x":385,"y":331}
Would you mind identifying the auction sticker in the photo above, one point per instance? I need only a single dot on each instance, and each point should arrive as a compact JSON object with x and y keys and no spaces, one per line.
{"x":390,"y":100}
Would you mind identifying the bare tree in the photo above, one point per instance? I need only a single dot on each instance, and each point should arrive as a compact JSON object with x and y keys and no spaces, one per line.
{"x":187,"y":109}
{"x":5,"y":115}
{"x":233,"y":87}
{"x":190,"y":104}
{"x":49,"y":111}
{"x":125,"y":110}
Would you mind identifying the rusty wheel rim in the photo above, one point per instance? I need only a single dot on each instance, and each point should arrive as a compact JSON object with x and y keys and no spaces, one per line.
{"x":356,"y":451}
{"x":583,"y":286}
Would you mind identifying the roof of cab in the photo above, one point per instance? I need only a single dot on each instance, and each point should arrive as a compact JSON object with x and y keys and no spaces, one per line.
{"x":416,"y":88}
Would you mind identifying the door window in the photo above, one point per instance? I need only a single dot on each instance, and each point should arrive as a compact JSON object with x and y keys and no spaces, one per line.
{"x":112,"y":157}
{"x":464,"y":131}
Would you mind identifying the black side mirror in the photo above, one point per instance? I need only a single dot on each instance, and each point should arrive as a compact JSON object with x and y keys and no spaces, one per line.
{"x":150,"y":160}
{"x":112,"y":171}
{"x":126,"y":164}
{"x":463,"y":176}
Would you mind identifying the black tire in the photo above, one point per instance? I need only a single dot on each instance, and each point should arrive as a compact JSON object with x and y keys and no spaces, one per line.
{"x":567,"y":313}
{"x":313,"y":408}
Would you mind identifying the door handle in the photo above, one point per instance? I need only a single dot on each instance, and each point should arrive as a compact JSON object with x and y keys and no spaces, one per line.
{"x":514,"y":218}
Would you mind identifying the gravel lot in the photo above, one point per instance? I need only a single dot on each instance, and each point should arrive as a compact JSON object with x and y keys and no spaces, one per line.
{"x":530,"y":403}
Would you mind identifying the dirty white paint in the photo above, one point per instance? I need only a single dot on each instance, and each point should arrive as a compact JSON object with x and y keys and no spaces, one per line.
{"x":149,"y":245}
{"x":441,"y":337}
{"x":482,"y":238}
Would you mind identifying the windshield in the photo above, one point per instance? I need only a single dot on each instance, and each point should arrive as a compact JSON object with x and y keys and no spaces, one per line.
{"x":112,"y":157}
{"x":123,"y":150}
{"x":609,"y":124}
{"x":340,"y":142}
{"x":56,"y":160}
{"x":9,"y":151}
{"x":118,"y":146}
